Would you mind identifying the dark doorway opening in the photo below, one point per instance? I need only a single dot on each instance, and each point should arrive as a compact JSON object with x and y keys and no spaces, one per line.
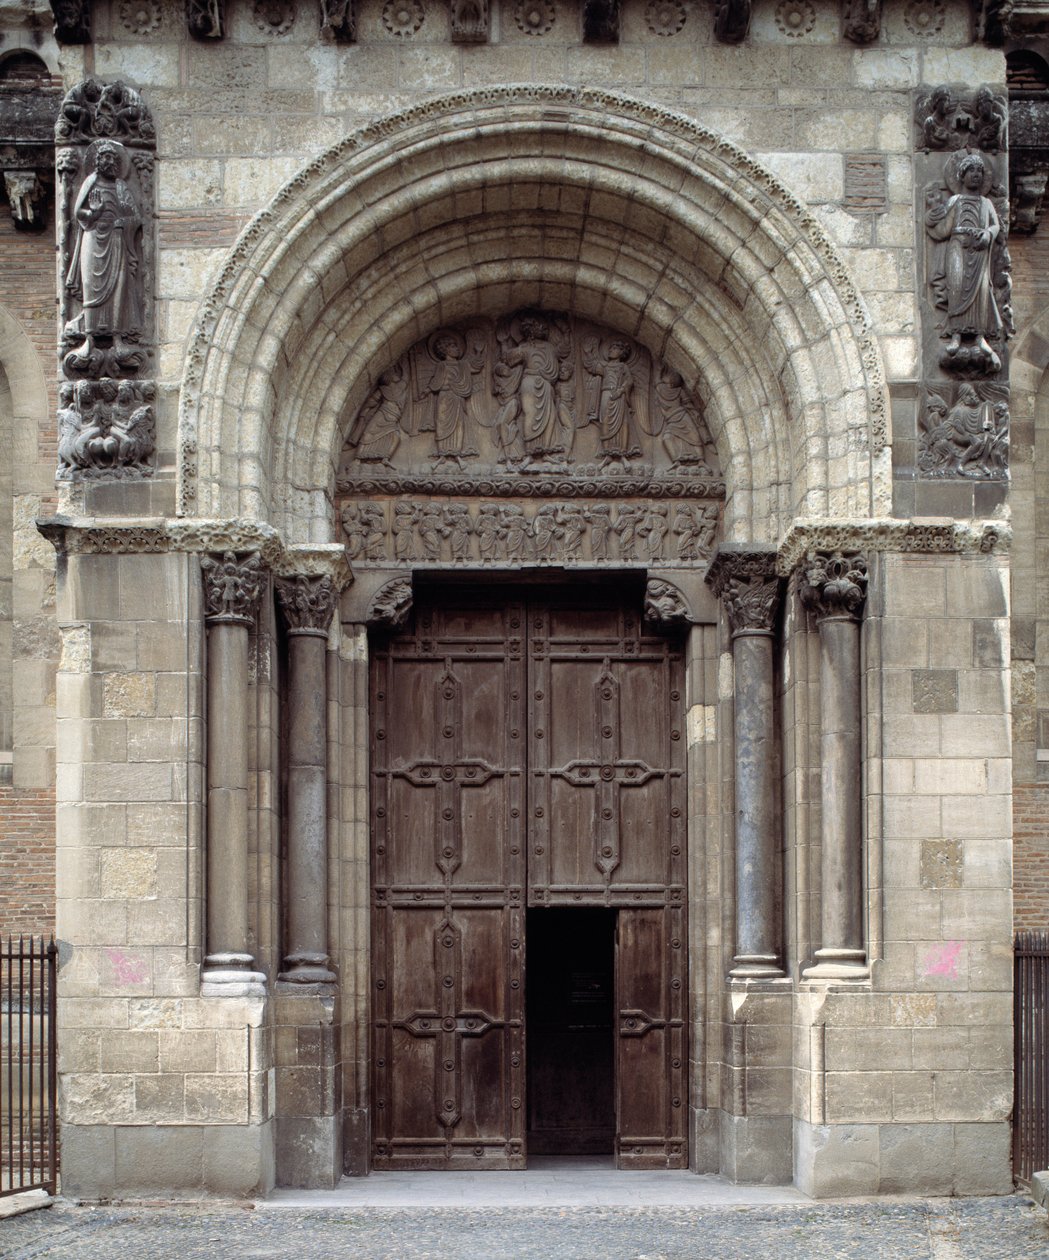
{"x":569,"y":994}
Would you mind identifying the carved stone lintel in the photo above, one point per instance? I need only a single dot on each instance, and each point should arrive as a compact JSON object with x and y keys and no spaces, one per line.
{"x":72,"y":21}
{"x":27,"y":197}
{"x":834,"y":584}
{"x":206,"y":18}
{"x":106,"y":428}
{"x":861,"y":20}
{"x":232,"y":586}
{"x":732,"y":20}
{"x":306,"y":602}
{"x":745,"y":580}
{"x":392,"y":604}
{"x":339,"y":21}
{"x":601,"y":21}
{"x":470,"y":21}
{"x":665,"y":604}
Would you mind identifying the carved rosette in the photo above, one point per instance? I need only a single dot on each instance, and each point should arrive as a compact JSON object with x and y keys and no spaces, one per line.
{"x":834,"y":584}
{"x":747,"y":584}
{"x":106,"y":145}
{"x":232,"y":587}
{"x":307,"y":603}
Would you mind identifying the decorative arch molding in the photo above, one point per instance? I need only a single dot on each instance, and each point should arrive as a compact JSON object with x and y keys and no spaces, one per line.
{"x":566,"y":198}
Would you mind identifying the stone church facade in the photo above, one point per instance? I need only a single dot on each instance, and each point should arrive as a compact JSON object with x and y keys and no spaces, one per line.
{"x":525,"y":581}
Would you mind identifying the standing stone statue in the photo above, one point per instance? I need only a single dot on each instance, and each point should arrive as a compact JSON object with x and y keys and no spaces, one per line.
{"x":613,"y":396}
{"x":533,"y":419}
{"x":964,"y":229}
{"x":105,"y":272}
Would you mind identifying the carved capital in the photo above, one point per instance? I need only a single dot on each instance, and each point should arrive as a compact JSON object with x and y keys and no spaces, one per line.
{"x":306,"y":602}
{"x":665,"y":604}
{"x":391,"y":604}
{"x":232,"y":586}
{"x":745,"y":580}
{"x":834,"y":584}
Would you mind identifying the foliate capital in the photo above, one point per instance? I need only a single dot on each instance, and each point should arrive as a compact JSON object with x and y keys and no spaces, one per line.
{"x":834,"y":583}
{"x":307,"y":602}
{"x":745,"y":580}
{"x":232,"y":586}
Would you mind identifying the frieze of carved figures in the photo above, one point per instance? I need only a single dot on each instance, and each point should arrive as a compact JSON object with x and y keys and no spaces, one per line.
{"x":495,"y":532}
{"x":967,"y":265}
{"x":469,"y":21}
{"x":534,"y":393}
{"x":339,"y":20}
{"x":861,"y":20}
{"x":963,"y":430}
{"x":232,"y":586}
{"x":664,"y":603}
{"x":72,"y":21}
{"x":206,"y":18}
{"x":307,"y":602}
{"x":834,"y":584}
{"x":947,"y":120}
{"x":106,"y":428}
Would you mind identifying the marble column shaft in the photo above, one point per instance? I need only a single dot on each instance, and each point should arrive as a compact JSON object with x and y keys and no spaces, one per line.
{"x":307,"y":604}
{"x":746,"y":581}
{"x":232,"y":585}
{"x":834,"y":587}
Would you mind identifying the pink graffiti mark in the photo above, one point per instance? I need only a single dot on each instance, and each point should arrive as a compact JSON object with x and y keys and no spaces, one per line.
{"x":943,"y":960}
{"x":126,"y":970}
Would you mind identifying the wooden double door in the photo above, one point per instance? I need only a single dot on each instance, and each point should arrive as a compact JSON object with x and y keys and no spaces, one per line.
{"x":527,"y":784}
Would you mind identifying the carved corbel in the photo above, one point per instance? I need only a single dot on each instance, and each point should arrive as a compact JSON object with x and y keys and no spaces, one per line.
{"x":601,"y":21}
{"x":27,"y":197}
{"x":732,"y":21}
{"x":861,"y":20}
{"x":664,"y":604}
{"x":339,"y":21}
{"x":206,"y":19}
{"x":392,"y":604}
{"x":72,"y":21}
{"x":469,"y":21}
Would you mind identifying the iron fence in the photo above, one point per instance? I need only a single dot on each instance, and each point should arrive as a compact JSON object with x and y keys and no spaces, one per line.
{"x":28,"y":1066}
{"x":1031,"y":1112}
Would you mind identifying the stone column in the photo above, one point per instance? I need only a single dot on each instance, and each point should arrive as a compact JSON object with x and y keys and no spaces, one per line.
{"x":232,"y":585}
{"x":745,"y":580}
{"x":834,"y":588}
{"x":307,"y":604}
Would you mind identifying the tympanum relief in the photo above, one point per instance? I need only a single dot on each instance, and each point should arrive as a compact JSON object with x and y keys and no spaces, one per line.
{"x":962,"y":177}
{"x":536,"y":438}
{"x":104,"y":159}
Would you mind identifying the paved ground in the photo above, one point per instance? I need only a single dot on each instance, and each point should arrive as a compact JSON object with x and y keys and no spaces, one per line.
{"x":917,"y":1229}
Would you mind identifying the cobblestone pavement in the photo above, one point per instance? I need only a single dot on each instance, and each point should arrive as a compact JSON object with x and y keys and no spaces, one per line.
{"x":937,"y":1229}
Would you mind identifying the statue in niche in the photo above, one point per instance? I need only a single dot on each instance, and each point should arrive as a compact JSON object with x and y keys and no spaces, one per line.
{"x":377,"y":430}
{"x":968,"y":438}
{"x":451,"y":385}
{"x":105,"y":273}
{"x":613,"y":397}
{"x":963,"y":229}
{"x":532,"y":382}
{"x":679,"y":422}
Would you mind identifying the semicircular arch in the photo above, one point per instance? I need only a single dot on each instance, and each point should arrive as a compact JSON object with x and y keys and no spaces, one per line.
{"x":570,"y":199}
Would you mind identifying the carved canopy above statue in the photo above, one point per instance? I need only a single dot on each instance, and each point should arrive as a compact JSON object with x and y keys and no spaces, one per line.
{"x":537,"y":437}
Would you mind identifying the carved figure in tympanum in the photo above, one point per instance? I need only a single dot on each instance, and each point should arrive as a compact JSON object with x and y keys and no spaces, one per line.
{"x":451,"y":383}
{"x":678,"y":421}
{"x":613,"y":396}
{"x":377,"y":430}
{"x":534,"y":420}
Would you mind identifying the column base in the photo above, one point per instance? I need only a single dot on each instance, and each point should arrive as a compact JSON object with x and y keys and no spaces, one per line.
{"x":306,"y":967}
{"x":839,"y":964}
{"x":231,"y":975}
{"x":756,"y":967}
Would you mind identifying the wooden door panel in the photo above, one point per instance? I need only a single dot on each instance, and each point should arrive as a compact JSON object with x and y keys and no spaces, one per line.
{"x":651,"y":1049}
